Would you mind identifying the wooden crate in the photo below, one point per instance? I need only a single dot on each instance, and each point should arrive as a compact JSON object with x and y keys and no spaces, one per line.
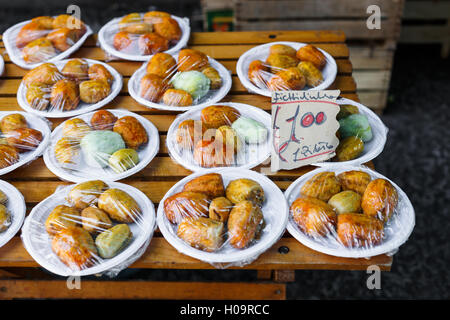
{"x":427,"y":22}
{"x":371,"y":51}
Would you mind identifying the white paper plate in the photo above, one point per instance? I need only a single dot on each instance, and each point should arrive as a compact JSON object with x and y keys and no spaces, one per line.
{"x":397,"y":230}
{"x":146,"y":153}
{"x":275,"y":213}
{"x":255,"y":153}
{"x":261,"y":52}
{"x":15,"y":54}
{"x":38,"y":243}
{"x":82,"y":106}
{"x":213,"y":96}
{"x":34,"y":122}
{"x":16,"y":207}
{"x":107,"y":32}
{"x":372,"y":148}
{"x":2,"y":65}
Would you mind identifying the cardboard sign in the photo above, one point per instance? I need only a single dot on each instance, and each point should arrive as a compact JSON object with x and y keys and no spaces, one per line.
{"x":304,"y":127}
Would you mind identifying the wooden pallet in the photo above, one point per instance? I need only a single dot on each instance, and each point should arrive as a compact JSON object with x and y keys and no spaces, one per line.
{"x":36,"y":182}
{"x":371,"y":51}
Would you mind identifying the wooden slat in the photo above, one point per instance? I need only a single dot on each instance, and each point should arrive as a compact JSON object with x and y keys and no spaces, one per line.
{"x":373,"y":79}
{"x":57,"y":289}
{"x":161,"y":255}
{"x":427,"y":10}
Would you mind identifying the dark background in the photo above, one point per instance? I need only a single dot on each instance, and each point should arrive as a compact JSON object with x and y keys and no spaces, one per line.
{"x":416,"y":157}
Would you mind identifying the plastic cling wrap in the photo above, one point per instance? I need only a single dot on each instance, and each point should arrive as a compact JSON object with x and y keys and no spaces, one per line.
{"x":69,"y":87}
{"x":285,"y":66}
{"x":44,"y":39}
{"x":12,"y":211}
{"x":138,"y":36}
{"x":349,"y":211}
{"x":362,"y":135}
{"x":23,"y":138}
{"x":225,"y":217}
{"x":220,"y":135}
{"x":180,"y":82}
{"x":107,"y":144}
{"x":89,"y":228}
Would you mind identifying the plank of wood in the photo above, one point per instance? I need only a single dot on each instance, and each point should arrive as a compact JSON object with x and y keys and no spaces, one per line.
{"x":161,"y":255}
{"x":425,"y":34}
{"x":57,"y":289}
{"x":374,"y":99}
{"x":325,"y":9}
{"x":426,"y":10}
{"x":372,"y":79}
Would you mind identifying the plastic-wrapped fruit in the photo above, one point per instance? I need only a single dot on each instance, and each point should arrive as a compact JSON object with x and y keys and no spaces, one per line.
{"x":282,"y":49}
{"x":75,"y":129}
{"x":75,"y":248}
{"x":202,"y":233}
{"x":46,"y":73}
{"x":312,"y":74}
{"x":119,"y":205}
{"x":217,"y":116}
{"x":103,"y":120}
{"x":322,"y":186}
{"x":133,"y":23}
{"x":67,"y":151}
{"x":123,"y":159}
{"x":312,"y":54}
{"x":132,"y":132}
{"x":153,"y":87}
{"x":153,"y":17}
{"x":220,"y":208}
{"x":38,"y":50}
{"x":193,"y":82}
{"x":38,"y":95}
{"x":61,"y":217}
{"x":99,"y":72}
{"x":5,"y":218}
{"x":162,"y":64}
{"x":229,"y":137}
{"x":213,"y":153}
{"x":354,"y":180}
{"x":122,"y":40}
{"x":69,"y":21}
{"x":95,"y":220}
{"x":210,"y":184}
{"x":76,"y":69}
{"x":356,"y":230}
{"x":214,"y":76}
{"x":93,"y":91}
{"x":12,"y":121}
{"x":190,"y":59}
{"x":346,"y":201}
{"x":151,"y":43}
{"x":110,"y":242}
{"x":97,"y":146}
{"x":346,"y":110}
{"x":243,"y":222}
{"x":3,"y":197}
{"x":186,"y":204}
{"x":188,"y":132}
{"x":287,"y":79}
{"x":257,"y":73}
{"x":30,"y":32}
{"x":313,"y":216}
{"x":379,"y":199}
{"x":278,"y":62}
{"x":8,"y":156}
{"x":356,"y":125}
{"x":168,"y":28}
{"x":245,"y":189}
{"x":24,"y":139}
{"x":250,"y":130}
{"x":86,"y":193}
{"x":349,"y":148}
{"x":63,"y":38}
{"x":65,"y":95}
{"x":178,"y":98}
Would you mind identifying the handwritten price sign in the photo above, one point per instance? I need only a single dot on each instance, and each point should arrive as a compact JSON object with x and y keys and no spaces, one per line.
{"x":304,"y":127}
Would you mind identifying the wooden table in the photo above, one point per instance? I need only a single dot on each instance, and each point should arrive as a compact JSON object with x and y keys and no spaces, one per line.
{"x":19,"y":275}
